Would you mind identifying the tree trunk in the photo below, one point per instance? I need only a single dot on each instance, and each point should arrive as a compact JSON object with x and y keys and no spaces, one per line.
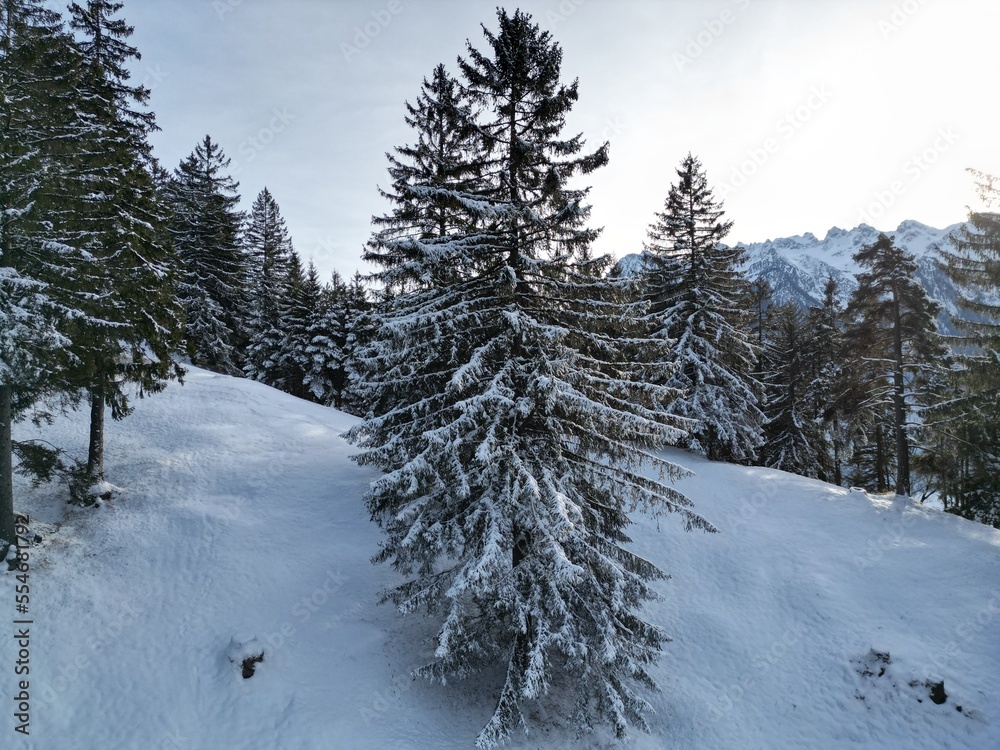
{"x":899,"y":403}
{"x":8,"y":534}
{"x":838,"y":474}
{"x":880,"y":461}
{"x":95,"y":450}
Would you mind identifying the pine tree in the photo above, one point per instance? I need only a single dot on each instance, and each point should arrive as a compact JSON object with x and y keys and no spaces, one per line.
{"x":965,"y":425}
{"x":133,"y":324}
{"x":38,"y":67}
{"x":760,"y":299}
{"x":791,"y":435}
{"x":892,"y":328}
{"x":298,"y":310}
{"x":825,"y":352}
{"x":325,"y":334}
{"x":510,"y":435}
{"x":431,"y":176}
{"x":354,"y":321}
{"x":269,"y":251}
{"x":697,"y":298}
{"x":207,"y":230}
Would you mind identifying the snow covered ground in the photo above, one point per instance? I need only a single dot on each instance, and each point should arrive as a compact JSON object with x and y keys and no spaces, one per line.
{"x":241,"y":526}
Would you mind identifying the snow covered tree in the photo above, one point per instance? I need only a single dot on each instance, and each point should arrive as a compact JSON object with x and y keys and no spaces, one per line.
{"x":760,"y":296}
{"x":133,"y":322}
{"x":512,"y":436}
{"x":892,"y":327}
{"x":427,"y":175}
{"x":38,"y":75}
{"x":214,"y":269}
{"x":824,"y":324}
{"x":965,"y":425}
{"x":791,"y":434}
{"x":697,"y":297}
{"x":269,"y":251}
{"x":300,"y":314}
{"x":354,"y":322}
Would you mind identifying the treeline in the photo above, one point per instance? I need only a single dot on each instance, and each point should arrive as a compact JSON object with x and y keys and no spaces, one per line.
{"x":862,"y":391}
{"x":514,"y":390}
{"x":111,"y":267}
{"x":250,"y":307}
{"x":866,"y":392}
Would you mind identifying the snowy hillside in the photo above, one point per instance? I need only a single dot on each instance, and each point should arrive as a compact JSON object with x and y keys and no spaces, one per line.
{"x":798,"y":267}
{"x":818,"y":617}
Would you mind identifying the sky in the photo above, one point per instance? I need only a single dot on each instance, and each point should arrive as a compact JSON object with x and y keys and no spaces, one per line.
{"x":806,"y":114}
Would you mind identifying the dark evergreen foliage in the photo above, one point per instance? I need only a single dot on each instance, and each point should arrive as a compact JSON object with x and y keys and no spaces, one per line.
{"x":38,"y":266}
{"x":510,"y":432}
{"x":963,"y":458}
{"x":792,"y":436}
{"x":214,"y":267}
{"x":269,"y":255}
{"x":896,"y":356}
{"x":133,"y":320}
{"x":827,"y":388}
{"x":697,"y":297}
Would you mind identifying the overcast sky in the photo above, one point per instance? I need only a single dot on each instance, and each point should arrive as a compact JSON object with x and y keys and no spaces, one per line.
{"x":806,"y":113}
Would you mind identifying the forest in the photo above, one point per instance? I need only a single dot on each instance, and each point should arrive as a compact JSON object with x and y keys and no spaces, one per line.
{"x":513,"y":387}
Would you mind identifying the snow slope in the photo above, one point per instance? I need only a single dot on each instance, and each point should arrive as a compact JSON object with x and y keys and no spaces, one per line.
{"x":241,"y":519}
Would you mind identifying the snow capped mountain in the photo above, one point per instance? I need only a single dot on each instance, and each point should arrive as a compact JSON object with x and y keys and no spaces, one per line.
{"x":798,"y":267}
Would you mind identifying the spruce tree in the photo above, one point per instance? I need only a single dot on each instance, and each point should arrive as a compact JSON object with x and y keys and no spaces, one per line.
{"x":294,"y":312}
{"x":824,"y":324}
{"x":697,"y":297}
{"x":38,"y":75}
{"x":354,"y":322}
{"x":892,"y":327}
{"x":965,"y":426}
{"x":269,"y":252}
{"x":207,"y":230}
{"x":324,"y":352}
{"x":791,"y":435}
{"x":133,"y":325}
{"x":512,"y":436}
{"x":431,"y":175}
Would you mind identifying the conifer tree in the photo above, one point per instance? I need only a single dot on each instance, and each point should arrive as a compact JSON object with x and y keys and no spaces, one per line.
{"x":133,"y":324}
{"x":214,"y":268}
{"x":826,"y":388}
{"x":511,"y":436}
{"x":697,"y":296}
{"x":269,"y":251}
{"x":892,"y":327}
{"x":965,"y":426}
{"x":354,"y":321}
{"x":791,"y":435}
{"x":38,"y":75}
{"x":430,"y":175}
{"x":300,"y":313}
{"x":324,"y":350}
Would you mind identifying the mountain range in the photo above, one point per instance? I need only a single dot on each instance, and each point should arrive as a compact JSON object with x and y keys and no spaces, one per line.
{"x":798,"y":267}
